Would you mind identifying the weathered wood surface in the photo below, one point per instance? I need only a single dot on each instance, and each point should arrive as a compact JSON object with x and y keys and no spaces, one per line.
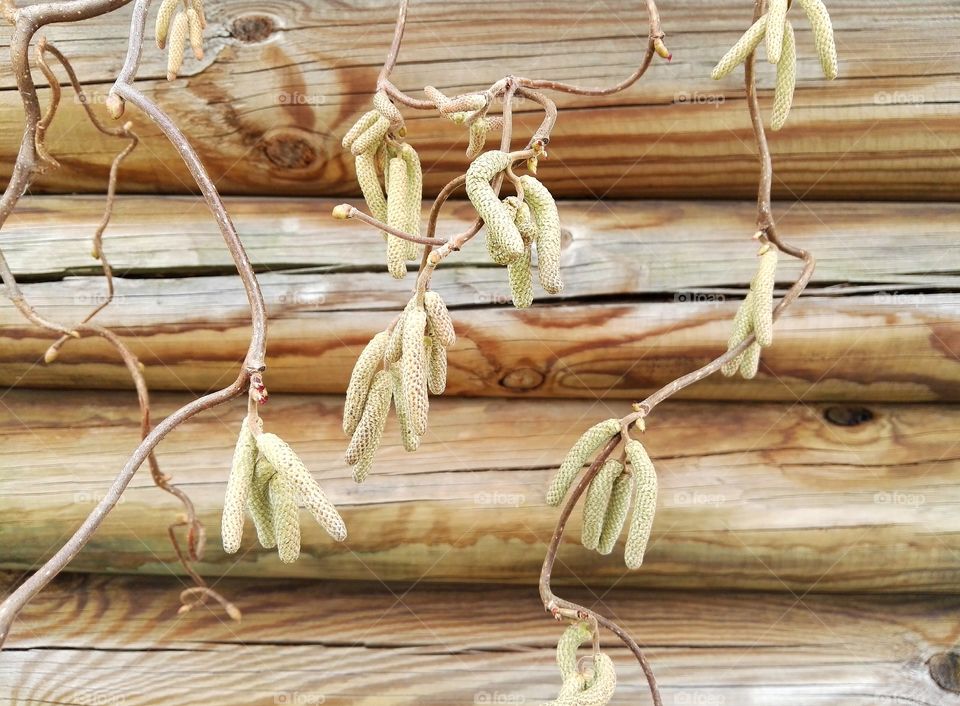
{"x":284,"y":79}
{"x":118,"y":640}
{"x":761,"y":496}
{"x":651,"y":289}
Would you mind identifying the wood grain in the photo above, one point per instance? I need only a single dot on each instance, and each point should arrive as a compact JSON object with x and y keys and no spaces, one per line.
{"x":651,"y":289}
{"x":284,"y":79}
{"x":118,"y":640}
{"x":765,"y":496}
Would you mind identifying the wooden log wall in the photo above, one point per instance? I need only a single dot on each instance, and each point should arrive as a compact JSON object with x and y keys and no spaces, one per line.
{"x":283,"y":79}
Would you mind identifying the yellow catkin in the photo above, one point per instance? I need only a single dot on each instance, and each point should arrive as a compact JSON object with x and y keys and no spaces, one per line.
{"x":397,"y":215}
{"x":364,"y":123}
{"x":164,"y":15}
{"x":573,"y":637}
{"x":644,"y":503}
{"x":596,"y":501}
{"x":479,"y":129}
{"x":178,"y":43}
{"x":371,"y":138}
{"x":414,"y":369}
{"x":520,"y":274}
{"x":587,"y":445}
{"x":543,"y":208}
{"x":439,"y":323}
{"x":239,"y":483}
{"x":823,"y":36}
{"x":742,"y":327}
{"x":386,"y":107}
{"x":367,"y":365}
{"x":288,"y":464}
{"x":601,"y":686}
{"x":408,"y":435}
{"x":617,"y":510}
{"x":436,"y":367}
{"x":504,"y":240}
{"x":762,"y":288}
{"x":258,"y":503}
{"x":741,"y":50}
{"x":414,"y":196}
{"x":750,"y":362}
{"x":786,"y":80}
{"x":286,"y":518}
{"x":366,"y":438}
{"x":197,"y":6}
{"x":776,"y":21}
{"x":369,"y":180}
{"x":195,"y":29}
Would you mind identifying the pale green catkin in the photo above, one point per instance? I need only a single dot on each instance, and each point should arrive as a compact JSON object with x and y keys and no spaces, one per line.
{"x":478,"y":136}
{"x":776,"y":20}
{"x":520,"y":275}
{"x":617,"y":510}
{"x":573,"y":637}
{"x":365,"y":122}
{"x":288,"y":464}
{"x":596,"y":502}
{"x":505,"y":240}
{"x":742,"y":328}
{"x":414,"y":196}
{"x":370,"y":139}
{"x":644,"y":504}
{"x":436,"y":367}
{"x":439,"y":323}
{"x":286,"y":518}
{"x":179,"y":31}
{"x":195,"y":31}
{"x":397,"y":217}
{"x":741,"y":50}
{"x":239,"y":484}
{"x":762,"y":287}
{"x":569,"y":691}
{"x":395,"y":338}
{"x":414,"y":369}
{"x":549,"y":239}
{"x":383,"y":105}
{"x":370,"y":360}
{"x":164,"y":15}
{"x":750,"y":361}
{"x":587,"y":445}
{"x":366,"y":165}
{"x":366,"y":438}
{"x":408,"y":435}
{"x":823,"y":36}
{"x":258,"y":503}
{"x":786,"y":80}
{"x":601,"y":686}
{"x":523,"y":219}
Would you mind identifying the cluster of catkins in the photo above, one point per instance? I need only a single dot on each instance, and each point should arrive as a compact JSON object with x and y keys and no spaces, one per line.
{"x":269,"y":480}
{"x":403,"y":365}
{"x":179,"y":27}
{"x":390,"y":177}
{"x":754,"y":317}
{"x":591,"y":686}
{"x":781,"y":50}
{"x":517,"y":223}
{"x":469,"y":109}
{"x":611,"y":493}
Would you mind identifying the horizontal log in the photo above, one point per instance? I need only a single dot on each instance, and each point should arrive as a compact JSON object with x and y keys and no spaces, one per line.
{"x":761,"y":496}
{"x":283,"y":80}
{"x":650,"y":293}
{"x":118,"y":640}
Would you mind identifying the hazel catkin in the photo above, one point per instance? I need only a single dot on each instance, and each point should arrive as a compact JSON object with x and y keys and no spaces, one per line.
{"x":548,"y":234}
{"x":588,"y":444}
{"x":739,"y":52}
{"x":239,"y":484}
{"x":644,"y":503}
{"x":369,"y":361}
{"x":505,"y":242}
{"x":596,"y":502}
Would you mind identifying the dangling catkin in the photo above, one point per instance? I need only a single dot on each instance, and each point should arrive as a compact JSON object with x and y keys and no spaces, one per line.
{"x":367,"y":177}
{"x":571,"y":640}
{"x":478,"y":137}
{"x":371,"y":138}
{"x":600,"y":688}
{"x":178,"y":43}
{"x":520,"y":274}
{"x":587,"y":445}
{"x":776,"y":19}
{"x":436,"y":367}
{"x":762,"y":288}
{"x":742,"y":327}
{"x":366,"y":437}
{"x":383,"y":105}
{"x":414,"y":370}
{"x":258,"y":503}
{"x":741,"y":50}
{"x":595,"y":504}
{"x":370,"y":360}
{"x":414,"y":196}
{"x":397,"y":215}
{"x":285,"y":460}
{"x":617,"y":510}
{"x":569,"y":691}
{"x":395,"y":340}
{"x":239,"y":484}
{"x":822,"y":35}
{"x":164,"y":15}
{"x":439,"y":323}
{"x":523,"y":219}
{"x":197,"y":6}
{"x":365,"y":122}
{"x":505,"y":243}
{"x":195,"y":28}
{"x":644,"y":504}
{"x":409,"y":436}
{"x":750,"y":361}
{"x":549,"y":240}
{"x":786,"y":80}
{"x":286,"y":518}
